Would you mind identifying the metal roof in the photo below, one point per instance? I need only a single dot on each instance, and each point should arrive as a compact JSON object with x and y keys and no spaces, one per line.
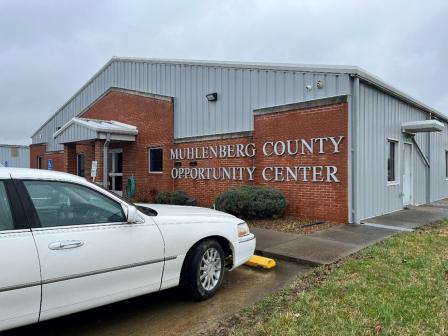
{"x":353,"y":71}
{"x":78,"y":129}
{"x":13,"y":146}
{"x":106,"y":126}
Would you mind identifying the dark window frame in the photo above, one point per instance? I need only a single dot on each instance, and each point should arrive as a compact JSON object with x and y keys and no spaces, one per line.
{"x":39,"y":161}
{"x":159,"y":161}
{"x":32,"y":211}
{"x":79,"y":171}
{"x":12,"y":212}
{"x":392,"y":162}
{"x":446,"y":164}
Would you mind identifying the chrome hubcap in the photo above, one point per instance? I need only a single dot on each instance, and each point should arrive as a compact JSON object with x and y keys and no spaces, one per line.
{"x":210,"y":269}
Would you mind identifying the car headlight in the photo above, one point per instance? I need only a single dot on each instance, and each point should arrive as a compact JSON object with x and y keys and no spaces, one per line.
{"x":243,"y":230}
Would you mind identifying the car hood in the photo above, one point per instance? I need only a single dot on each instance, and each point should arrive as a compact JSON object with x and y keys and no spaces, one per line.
{"x":183,"y":210}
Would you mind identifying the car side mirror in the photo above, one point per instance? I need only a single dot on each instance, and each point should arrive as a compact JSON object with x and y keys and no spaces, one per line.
{"x":133,"y":216}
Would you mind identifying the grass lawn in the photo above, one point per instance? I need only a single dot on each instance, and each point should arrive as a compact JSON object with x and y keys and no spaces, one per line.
{"x":398,"y":287}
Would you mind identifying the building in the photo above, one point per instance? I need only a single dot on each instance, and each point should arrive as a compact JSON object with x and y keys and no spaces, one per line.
{"x":14,"y":156}
{"x":341,"y":144}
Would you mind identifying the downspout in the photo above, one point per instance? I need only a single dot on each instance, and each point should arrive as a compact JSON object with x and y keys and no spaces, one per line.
{"x":428,"y":170}
{"x":353,"y":149}
{"x":105,"y":161}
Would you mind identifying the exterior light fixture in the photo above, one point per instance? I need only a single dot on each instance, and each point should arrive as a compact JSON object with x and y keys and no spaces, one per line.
{"x":212,"y":96}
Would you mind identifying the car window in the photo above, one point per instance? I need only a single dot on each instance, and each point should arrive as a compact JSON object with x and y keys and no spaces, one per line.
{"x":6,"y":221}
{"x":63,"y":204}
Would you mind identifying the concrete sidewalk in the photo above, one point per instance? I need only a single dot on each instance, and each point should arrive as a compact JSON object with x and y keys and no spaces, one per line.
{"x":328,"y":246}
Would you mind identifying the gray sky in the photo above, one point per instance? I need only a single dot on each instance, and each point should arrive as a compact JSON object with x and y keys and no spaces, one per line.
{"x":49,"y":49}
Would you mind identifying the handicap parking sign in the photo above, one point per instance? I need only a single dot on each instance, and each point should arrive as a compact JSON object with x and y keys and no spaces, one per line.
{"x":50,"y":164}
{"x":6,"y":164}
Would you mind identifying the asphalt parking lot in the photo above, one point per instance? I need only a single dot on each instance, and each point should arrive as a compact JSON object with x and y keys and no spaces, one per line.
{"x":170,"y":312}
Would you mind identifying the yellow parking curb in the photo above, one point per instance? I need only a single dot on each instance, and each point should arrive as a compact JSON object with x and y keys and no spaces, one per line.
{"x":257,"y":261}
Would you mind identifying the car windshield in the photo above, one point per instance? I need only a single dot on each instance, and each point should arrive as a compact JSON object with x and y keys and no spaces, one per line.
{"x":146,"y":210}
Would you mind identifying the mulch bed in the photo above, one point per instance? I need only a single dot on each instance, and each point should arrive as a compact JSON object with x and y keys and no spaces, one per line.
{"x":291,"y":224}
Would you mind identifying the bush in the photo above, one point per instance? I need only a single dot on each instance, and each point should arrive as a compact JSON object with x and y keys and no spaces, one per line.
{"x":172,"y":197}
{"x":252,"y":202}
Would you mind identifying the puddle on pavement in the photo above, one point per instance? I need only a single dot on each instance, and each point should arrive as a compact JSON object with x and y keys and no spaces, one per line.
{"x":170,"y":312}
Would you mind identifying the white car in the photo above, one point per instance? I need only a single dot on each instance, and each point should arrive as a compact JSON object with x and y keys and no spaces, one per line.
{"x":67,"y":245}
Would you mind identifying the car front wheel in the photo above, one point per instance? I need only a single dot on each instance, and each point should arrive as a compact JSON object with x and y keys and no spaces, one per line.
{"x":203,"y":270}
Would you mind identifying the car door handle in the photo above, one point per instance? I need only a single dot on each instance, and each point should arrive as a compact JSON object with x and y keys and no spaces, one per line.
{"x":64,"y":245}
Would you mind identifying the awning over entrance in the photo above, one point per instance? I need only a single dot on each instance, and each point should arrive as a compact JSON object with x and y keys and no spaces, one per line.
{"x":81,"y":129}
{"x":422,"y":126}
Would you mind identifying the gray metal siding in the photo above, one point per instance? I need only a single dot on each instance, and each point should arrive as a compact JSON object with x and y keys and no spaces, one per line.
{"x":380,"y":117}
{"x":75,"y":133}
{"x":20,"y":161}
{"x":240,"y":91}
{"x":439,"y":181}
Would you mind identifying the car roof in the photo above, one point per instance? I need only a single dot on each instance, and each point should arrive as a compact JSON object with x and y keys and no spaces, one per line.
{"x":33,"y":174}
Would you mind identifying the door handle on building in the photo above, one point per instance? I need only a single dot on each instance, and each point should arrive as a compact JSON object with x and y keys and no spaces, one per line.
{"x":64,"y":245}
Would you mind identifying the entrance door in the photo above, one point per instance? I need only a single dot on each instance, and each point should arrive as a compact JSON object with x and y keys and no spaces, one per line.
{"x":407,"y":174}
{"x":115,"y":167}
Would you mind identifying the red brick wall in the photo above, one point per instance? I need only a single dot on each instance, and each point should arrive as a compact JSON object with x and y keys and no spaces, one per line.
{"x":154,"y":121}
{"x":88,"y":149}
{"x":40,"y":150}
{"x":204,"y":190}
{"x":321,"y":200}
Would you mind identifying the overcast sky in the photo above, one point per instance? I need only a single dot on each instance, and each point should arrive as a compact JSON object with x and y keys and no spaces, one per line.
{"x":49,"y":49}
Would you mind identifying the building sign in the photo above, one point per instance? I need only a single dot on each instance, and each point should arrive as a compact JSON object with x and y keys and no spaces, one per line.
{"x":274,"y":173}
{"x":50,"y":164}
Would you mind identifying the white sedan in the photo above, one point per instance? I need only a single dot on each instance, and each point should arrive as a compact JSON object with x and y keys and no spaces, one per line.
{"x":67,"y":245}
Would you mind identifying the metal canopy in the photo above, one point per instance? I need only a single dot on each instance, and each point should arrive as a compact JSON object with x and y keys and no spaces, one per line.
{"x":422,"y":126}
{"x":81,"y":129}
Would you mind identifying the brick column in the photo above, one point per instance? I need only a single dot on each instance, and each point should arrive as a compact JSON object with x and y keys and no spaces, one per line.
{"x":69,"y":160}
{"x":98,"y":156}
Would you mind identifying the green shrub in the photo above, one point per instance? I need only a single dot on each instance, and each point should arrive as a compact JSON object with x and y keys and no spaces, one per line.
{"x":252,"y":202}
{"x":172,"y":197}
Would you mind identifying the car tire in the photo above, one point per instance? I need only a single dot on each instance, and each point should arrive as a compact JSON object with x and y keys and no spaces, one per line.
{"x":203,"y":270}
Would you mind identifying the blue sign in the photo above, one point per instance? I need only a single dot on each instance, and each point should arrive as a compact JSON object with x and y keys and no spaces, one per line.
{"x":6,"y":164}
{"x":50,"y":164}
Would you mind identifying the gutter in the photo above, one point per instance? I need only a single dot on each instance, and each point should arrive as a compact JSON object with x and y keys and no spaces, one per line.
{"x":375,"y":82}
{"x":353,"y":150}
{"x":105,"y":153}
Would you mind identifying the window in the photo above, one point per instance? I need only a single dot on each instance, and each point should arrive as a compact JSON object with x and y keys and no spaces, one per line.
{"x":63,"y":204}
{"x":392,"y":161}
{"x":80,"y":165}
{"x":6,"y":222}
{"x":39,"y":162}
{"x":155,"y":160}
{"x":446,"y":164}
{"x":14,"y":152}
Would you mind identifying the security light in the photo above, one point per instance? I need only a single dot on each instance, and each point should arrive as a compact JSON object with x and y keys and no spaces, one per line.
{"x":212,"y":96}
